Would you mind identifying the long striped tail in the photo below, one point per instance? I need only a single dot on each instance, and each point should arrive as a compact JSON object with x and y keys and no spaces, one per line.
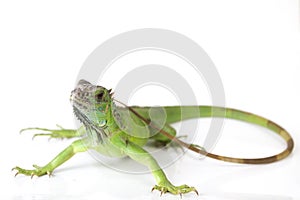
{"x":173,"y":113}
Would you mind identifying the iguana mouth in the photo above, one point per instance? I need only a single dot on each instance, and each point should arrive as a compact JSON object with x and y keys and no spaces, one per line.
{"x":85,"y":99}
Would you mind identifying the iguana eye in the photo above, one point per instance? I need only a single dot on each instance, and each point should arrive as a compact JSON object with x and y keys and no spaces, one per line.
{"x":99,"y":97}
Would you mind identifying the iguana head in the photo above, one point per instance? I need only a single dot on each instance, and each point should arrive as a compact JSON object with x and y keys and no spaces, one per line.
{"x":91,"y":103}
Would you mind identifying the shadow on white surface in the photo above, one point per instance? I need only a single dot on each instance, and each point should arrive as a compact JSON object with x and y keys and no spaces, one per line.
{"x":219,"y":196}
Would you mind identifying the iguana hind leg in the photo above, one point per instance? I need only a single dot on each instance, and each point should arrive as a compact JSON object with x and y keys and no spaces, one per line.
{"x":66,"y":154}
{"x":159,"y":138}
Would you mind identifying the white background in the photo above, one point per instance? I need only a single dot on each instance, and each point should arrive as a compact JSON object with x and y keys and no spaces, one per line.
{"x":254,"y":45}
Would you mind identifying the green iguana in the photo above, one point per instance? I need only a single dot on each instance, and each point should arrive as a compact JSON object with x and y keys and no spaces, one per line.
{"x":106,"y":130}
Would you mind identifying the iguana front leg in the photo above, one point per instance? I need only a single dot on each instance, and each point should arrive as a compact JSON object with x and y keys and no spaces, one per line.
{"x":140,"y":155}
{"x":66,"y":154}
{"x":57,"y":133}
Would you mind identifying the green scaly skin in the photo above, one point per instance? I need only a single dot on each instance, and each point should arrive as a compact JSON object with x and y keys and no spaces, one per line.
{"x":106,"y":131}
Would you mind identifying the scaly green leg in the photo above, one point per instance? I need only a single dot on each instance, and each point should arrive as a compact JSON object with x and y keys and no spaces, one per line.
{"x":66,"y":154}
{"x":58,"y":133}
{"x":140,"y":155}
{"x":160,"y":139}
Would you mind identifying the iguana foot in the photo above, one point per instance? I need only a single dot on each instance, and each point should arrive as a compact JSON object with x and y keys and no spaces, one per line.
{"x":174,"y":189}
{"x":54,"y":133}
{"x":38,"y":171}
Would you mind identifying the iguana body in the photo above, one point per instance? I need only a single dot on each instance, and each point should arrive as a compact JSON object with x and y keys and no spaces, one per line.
{"x":108,"y":133}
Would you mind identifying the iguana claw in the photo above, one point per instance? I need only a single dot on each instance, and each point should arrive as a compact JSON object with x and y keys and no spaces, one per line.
{"x":174,"y":189}
{"x":38,"y":171}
